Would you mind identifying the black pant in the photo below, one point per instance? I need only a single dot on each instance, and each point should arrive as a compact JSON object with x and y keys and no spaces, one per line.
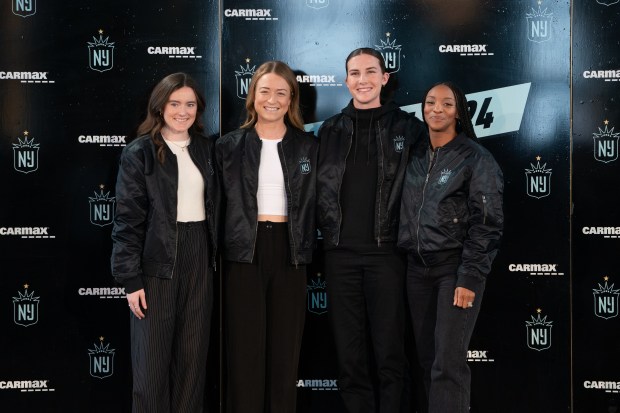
{"x":366,"y":298}
{"x":264,"y":312}
{"x":169,"y":346}
{"x":442,"y":334}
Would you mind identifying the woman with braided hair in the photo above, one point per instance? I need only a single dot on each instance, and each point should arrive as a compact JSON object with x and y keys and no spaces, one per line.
{"x":451,"y":224}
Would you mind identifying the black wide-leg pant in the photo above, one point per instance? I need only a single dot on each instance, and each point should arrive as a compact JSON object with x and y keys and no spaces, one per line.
{"x":169,"y":346}
{"x":264,"y":314}
{"x":367,"y":302}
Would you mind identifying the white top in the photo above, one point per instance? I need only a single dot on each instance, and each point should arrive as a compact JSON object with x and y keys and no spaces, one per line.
{"x":271,"y":195}
{"x":191,"y":188}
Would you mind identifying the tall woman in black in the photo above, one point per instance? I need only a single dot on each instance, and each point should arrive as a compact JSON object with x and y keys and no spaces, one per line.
{"x":164,"y":240}
{"x":451,"y":224}
{"x":363,"y":156}
{"x":268,"y":170}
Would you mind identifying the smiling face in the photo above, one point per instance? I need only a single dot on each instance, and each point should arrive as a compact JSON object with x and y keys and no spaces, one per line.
{"x":272,"y":98}
{"x":179,"y":113}
{"x":440,"y":111}
{"x":365,"y":80}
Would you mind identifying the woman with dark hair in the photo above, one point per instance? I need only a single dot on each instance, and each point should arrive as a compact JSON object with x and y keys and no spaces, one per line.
{"x":268,"y":174}
{"x":362,"y":161}
{"x":165,"y":236}
{"x":451,"y":225}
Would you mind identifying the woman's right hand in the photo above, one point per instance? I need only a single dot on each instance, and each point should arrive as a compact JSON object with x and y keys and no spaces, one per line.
{"x":137,"y":303}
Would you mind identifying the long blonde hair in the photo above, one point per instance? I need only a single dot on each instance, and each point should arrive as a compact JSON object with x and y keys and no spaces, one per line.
{"x":293,"y":115}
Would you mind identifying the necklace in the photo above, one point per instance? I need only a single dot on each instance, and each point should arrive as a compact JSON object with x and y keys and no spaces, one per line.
{"x":179,"y":146}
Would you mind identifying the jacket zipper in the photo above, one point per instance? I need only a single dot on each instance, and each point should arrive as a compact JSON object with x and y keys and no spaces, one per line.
{"x":260,"y":147}
{"x":208,"y":210}
{"x":340,"y":186}
{"x":290,"y":209}
{"x":380,"y":144}
{"x":431,"y":164}
{"x":176,"y":247}
{"x":176,"y":223}
{"x":484,"y":209}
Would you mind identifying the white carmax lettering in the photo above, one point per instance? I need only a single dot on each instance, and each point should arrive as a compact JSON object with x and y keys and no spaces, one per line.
{"x":601,"y":74}
{"x":170,"y":50}
{"x":601,"y":230}
{"x":101,"y":139}
{"x":23,"y":384}
{"x":316,"y":79}
{"x":247,"y":12}
{"x":533,"y":267}
{"x":607,"y":385}
{"x":23,"y":231}
{"x":102,"y":291}
{"x":24,"y":75}
{"x":463,"y":48}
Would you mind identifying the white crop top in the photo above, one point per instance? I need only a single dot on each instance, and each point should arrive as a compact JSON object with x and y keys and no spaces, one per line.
{"x":191,"y":188}
{"x":271,"y":195}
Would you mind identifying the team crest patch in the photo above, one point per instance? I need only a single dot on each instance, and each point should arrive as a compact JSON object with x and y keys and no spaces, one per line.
{"x":445,"y":175}
{"x":304,"y":166}
{"x":399,"y":143}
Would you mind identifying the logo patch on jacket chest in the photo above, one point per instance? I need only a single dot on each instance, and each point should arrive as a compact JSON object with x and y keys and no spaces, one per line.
{"x":304,"y":166}
{"x":445,"y":175}
{"x":399,"y":143}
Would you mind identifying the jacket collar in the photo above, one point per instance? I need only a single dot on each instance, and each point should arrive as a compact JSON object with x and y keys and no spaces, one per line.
{"x":350,"y":110}
{"x":458,"y":140}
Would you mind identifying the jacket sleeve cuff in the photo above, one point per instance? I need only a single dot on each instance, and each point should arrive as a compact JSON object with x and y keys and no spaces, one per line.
{"x":131,"y":284}
{"x":469,"y":282}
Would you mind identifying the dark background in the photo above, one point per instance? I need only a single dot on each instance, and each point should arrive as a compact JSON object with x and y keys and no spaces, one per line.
{"x":314,"y":38}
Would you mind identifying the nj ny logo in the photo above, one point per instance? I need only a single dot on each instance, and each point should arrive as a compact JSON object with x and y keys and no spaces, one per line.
{"x":538,"y":332}
{"x":101,"y":360}
{"x":538,"y":180}
{"x":391,"y":53}
{"x":25,"y":308}
{"x":606,"y":144}
{"x":539,"y":25}
{"x":606,"y":301}
{"x":24,"y":8}
{"x":26,"y":155}
{"x":100,"y":53}
{"x":101,"y":208}
{"x":243,"y":78}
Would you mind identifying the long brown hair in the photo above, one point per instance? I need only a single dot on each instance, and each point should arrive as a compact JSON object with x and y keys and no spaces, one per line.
{"x":154,"y":121}
{"x":293,"y":115}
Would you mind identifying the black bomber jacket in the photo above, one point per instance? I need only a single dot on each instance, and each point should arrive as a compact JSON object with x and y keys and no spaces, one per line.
{"x":453,"y":205}
{"x":145,"y":230}
{"x":238,"y":160}
{"x":395,"y":132}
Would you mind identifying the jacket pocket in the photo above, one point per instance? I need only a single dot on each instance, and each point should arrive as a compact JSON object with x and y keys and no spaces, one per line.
{"x":453,"y":218}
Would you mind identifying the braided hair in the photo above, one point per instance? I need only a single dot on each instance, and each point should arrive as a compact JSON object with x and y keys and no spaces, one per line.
{"x":463,"y":123}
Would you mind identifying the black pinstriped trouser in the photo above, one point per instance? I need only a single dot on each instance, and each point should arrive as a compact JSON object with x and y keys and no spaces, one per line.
{"x":264,"y":307}
{"x":169,"y":346}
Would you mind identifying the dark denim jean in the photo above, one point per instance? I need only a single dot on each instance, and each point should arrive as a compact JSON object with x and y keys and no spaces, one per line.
{"x":442,"y":334}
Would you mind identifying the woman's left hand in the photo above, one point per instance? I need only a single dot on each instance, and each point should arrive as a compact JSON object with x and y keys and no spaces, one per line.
{"x":464,"y":298}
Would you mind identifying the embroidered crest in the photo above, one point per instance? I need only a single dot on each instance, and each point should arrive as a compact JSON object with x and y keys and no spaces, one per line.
{"x":304,"y":165}
{"x":399,"y":143}
{"x":445,"y":175}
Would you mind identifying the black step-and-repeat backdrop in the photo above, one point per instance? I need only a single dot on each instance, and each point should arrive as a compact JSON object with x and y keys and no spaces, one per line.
{"x":74,"y":82}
